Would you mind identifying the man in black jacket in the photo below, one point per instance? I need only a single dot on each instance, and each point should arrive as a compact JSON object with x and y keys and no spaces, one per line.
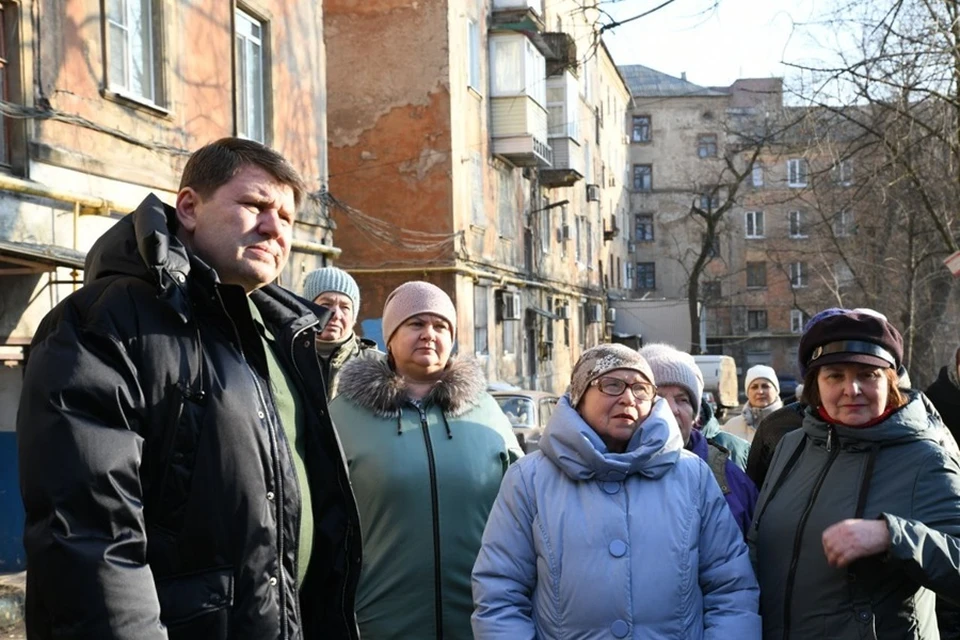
{"x":179,"y":470}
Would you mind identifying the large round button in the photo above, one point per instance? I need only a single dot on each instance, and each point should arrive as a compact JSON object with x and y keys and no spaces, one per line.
{"x":619,"y":629}
{"x":611,"y":487}
{"x":270,"y":495}
{"x":618,"y":548}
{"x":273,"y":581}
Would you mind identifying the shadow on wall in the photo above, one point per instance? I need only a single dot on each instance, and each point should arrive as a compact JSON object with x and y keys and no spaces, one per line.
{"x":372,"y":329}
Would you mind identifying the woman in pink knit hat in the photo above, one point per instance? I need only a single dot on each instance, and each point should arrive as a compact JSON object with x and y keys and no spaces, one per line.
{"x":426,"y":446}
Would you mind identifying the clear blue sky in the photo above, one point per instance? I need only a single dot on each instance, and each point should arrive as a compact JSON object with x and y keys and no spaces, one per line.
{"x":715,"y":46}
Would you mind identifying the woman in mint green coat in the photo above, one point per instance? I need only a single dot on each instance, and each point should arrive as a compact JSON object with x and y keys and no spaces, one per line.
{"x":426,"y":447}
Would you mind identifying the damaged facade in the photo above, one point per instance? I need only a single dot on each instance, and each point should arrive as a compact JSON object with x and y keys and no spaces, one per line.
{"x":480,"y":145}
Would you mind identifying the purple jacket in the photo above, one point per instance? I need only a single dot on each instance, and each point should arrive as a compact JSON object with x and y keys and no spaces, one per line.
{"x":741,"y":493}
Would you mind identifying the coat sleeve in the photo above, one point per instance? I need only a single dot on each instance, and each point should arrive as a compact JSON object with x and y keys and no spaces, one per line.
{"x":505,"y":573}
{"x":731,"y":597}
{"x":928,"y":543}
{"x":80,"y":454}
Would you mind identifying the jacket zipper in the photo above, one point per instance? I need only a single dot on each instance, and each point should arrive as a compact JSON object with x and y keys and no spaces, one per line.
{"x":277,"y":471}
{"x":435,"y":503}
{"x":801,"y":525}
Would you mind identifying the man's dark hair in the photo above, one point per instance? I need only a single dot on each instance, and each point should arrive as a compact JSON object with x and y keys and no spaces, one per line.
{"x":215,"y":164}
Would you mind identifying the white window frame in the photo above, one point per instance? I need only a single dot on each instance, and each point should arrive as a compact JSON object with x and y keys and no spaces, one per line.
{"x":797,"y":172}
{"x":146,"y":40}
{"x":481,"y":319}
{"x":756,"y":175}
{"x":798,"y":275}
{"x":707,"y":145}
{"x":843,"y":172}
{"x":517,"y":68}
{"x":753,"y":226}
{"x":628,"y":268}
{"x":797,"y":320}
{"x":473,"y":56}
{"x":562,"y":119}
{"x":797,"y":223}
{"x":843,"y":223}
{"x":248,"y":46}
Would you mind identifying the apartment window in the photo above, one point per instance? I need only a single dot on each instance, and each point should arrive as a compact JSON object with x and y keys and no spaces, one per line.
{"x":707,"y":145}
{"x":756,"y":175}
{"x":646,"y":276}
{"x":756,"y":320}
{"x":133,"y":48}
{"x":9,"y":47}
{"x":798,"y":274}
{"x":798,"y":320}
{"x":754,"y":224}
{"x":251,"y":68}
{"x":480,"y":343}
{"x":756,"y":275}
{"x":796,"y":172}
{"x":843,"y":173}
{"x":641,"y":129}
{"x":628,"y":275}
{"x":545,"y":230}
{"x":578,"y":227}
{"x":643,"y":229}
{"x":843,"y":223}
{"x":798,"y":224}
{"x":589,"y":244}
{"x":473,"y":54}
{"x":509,"y":336}
{"x":710,"y":201}
{"x":643,"y":177}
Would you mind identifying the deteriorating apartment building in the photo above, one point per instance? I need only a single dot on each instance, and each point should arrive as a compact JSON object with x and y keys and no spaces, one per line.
{"x":102,"y":101}
{"x":479,"y":144}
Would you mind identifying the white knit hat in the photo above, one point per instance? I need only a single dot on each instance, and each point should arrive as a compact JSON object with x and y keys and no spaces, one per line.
{"x":673,"y":367}
{"x":764,"y":372}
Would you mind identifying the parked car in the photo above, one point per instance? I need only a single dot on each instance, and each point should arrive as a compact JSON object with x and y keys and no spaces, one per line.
{"x":528,"y":412}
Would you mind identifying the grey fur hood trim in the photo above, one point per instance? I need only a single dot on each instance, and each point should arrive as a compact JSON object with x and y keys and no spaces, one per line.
{"x":373,"y":385}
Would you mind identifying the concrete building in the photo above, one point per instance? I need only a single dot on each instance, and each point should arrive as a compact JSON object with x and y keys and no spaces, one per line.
{"x":474,"y":153}
{"x":102,"y":103}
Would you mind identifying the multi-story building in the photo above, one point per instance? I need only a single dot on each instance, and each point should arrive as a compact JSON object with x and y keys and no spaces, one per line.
{"x":102,"y":102}
{"x":475,"y":154}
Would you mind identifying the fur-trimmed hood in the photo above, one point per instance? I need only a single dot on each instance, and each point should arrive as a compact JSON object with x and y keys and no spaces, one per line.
{"x":373,"y":385}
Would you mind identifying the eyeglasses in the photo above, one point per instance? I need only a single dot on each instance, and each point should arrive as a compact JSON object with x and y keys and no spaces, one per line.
{"x":642,"y":391}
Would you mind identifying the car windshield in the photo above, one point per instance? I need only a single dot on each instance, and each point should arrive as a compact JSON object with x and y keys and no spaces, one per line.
{"x":519,"y":411}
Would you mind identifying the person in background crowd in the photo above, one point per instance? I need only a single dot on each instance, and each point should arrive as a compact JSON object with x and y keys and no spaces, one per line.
{"x":680,"y":382}
{"x":427,"y":447}
{"x":337,"y":343}
{"x":612,"y":529}
{"x":181,"y":481}
{"x":944,"y":393}
{"x":857,"y":523}
{"x":709,"y":426}
{"x":763,"y":398}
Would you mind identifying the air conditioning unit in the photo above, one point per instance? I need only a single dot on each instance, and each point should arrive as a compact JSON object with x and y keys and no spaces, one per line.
{"x":563,"y":233}
{"x":594,"y":312}
{"x":611,"y":315}
{"x":631,"y":247}
{"x":593,"y":193}
{"x":509,"y":307}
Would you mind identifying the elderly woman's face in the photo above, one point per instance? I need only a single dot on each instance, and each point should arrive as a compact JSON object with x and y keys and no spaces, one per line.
{"x":853,"y":393}
{"x":615,"y":416}
{"x":681,"y":406}
{"x":761,"y":393}
{"x":421,"y":346}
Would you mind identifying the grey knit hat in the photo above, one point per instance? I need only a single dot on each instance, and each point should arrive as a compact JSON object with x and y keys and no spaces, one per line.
{"x":413,"y":298}
{"x":674,"y":367}
{"x":602,"y":359}
{"x":332,"y":279}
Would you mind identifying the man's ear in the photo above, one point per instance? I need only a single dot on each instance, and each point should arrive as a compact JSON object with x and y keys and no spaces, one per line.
{"x":187,"y":202}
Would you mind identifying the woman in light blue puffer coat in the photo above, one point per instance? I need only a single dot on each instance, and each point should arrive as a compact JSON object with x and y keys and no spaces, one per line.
{"x":612,"y":529}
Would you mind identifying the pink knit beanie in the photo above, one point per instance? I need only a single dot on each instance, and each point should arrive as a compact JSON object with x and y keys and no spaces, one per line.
{"x":413,"y":298}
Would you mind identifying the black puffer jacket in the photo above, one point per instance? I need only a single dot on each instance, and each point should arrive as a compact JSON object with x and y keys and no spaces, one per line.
{"x":822,"y":474}
{"x":161,"y":498}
